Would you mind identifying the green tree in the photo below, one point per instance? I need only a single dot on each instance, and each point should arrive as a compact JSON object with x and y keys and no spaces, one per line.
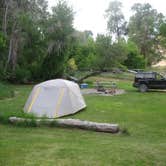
{"x":84,"y":53}
{"x":163,"y":35}
{"x":109,"y":54}
{"x":82,"y":37}
{"x":116,"y":23}
{"x":143,"y":28}
{"x":23,"y":27}
{"x":134,"y":59}
{"x":27,"y":28}
{"x":59,"y":33}
{"x":3,"y":51}
{"x":32,"y":50}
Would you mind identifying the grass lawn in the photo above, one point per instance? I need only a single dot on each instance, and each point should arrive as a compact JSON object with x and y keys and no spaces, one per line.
{"x":6,"y":91}
{"x":143,"y":115}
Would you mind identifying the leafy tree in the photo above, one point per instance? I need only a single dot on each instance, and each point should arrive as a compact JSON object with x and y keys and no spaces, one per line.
{"x":134,"y":59}
{"x":71,"y":66}
{"x":163,"y":29}
{"x":60,"y":28}
{"x":163,"y":35}
{"x":12,"y":11}
{"x":22,"y":26}
{"x":144,"y":31}
{"x":82,"y":37}
{"x":116,"y":23}
{"x":38,"y":45}
{"x":32,"y":49}
{"x":2,"y":53}
{"x":109,"y":54}
{"x":83,"y":50}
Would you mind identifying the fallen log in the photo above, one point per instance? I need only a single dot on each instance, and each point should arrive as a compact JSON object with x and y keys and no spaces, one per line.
{"x":88,"y":75}
{"x":75,"y":123}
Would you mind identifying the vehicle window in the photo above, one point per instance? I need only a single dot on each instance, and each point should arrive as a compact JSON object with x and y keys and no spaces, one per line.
{"x":150,"y":75}
{"x":139,"y":75}
{"x":145,"y":75}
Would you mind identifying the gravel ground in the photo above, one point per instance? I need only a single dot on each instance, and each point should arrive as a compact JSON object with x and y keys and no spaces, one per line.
{"x":95,"y":92}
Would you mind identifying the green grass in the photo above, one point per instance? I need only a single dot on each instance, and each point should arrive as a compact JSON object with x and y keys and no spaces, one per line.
{"x":6,"y":91}
{"x":13,"y":106}
{"x":143,"y":115}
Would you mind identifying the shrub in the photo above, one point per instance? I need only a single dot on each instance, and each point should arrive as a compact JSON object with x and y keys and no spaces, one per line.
{"x":22,"y":75}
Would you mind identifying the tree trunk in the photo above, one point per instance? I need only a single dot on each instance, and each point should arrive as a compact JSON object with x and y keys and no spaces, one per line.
{"x":13,"y":49}
{"x":74,"y":123}
{"x":83,"y":78}
{"x":4,"y":25}
{"x":88,"y":75}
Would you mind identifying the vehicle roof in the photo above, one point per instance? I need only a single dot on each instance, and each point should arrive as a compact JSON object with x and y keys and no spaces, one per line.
{"x":149,"y":72}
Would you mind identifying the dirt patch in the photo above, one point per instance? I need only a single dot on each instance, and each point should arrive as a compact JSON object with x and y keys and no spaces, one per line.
{"x":160,"y":64}
{"x":95,"y":92}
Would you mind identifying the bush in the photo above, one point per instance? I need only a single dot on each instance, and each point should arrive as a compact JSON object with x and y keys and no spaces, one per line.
{"x":22,"y":75}
{"x":135,"y":61}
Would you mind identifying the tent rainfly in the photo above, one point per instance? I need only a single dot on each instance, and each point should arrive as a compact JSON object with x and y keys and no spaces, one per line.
{"x":55,"y":98}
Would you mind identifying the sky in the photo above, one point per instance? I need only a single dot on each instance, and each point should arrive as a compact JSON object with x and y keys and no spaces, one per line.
{"x":89,"y":14}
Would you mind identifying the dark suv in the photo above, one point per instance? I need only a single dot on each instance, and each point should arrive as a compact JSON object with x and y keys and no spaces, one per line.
{"x":149,"y":80}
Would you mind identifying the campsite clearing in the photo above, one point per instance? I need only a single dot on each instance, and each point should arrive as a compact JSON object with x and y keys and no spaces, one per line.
{"x":142,"y":116}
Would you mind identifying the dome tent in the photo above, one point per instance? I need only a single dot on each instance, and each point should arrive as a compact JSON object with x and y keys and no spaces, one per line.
{"x":55,"y":98}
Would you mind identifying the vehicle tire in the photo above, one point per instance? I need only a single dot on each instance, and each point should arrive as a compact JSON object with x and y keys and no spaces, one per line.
{"x":143,"y":88}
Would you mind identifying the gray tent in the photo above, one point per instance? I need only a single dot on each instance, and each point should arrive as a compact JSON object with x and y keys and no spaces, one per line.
{"x":55,"y":98}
